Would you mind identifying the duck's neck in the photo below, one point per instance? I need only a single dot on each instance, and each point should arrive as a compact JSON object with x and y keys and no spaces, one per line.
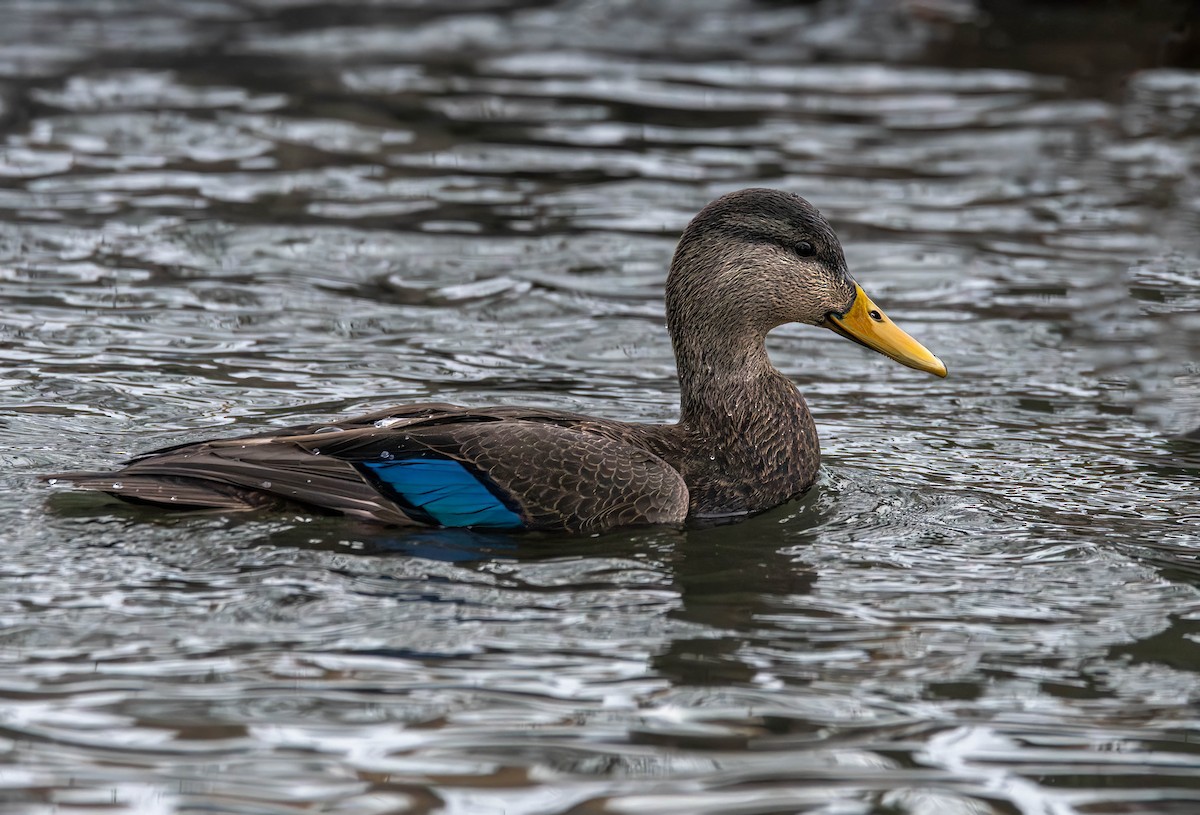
{"x":719,"y":381}
{"x":751,"y":438}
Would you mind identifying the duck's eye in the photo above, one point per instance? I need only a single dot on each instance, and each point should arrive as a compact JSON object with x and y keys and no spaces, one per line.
{"x":875,"y":315}
{"x":805,"y":249}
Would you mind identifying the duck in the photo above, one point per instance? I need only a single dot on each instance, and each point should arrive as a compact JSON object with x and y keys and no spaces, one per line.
{"x":744,"y":442}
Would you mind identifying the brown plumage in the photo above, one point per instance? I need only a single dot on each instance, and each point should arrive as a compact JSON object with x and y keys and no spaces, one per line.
{"x":745,"y":441}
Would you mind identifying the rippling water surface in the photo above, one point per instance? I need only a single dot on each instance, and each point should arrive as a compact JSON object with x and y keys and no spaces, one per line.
{"x":222,"y":216}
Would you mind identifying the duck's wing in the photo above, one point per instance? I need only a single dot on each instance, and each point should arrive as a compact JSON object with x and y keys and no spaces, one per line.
{"x":261,"y":470}
{"x":503,"y":468}
{"x":550,"y":472}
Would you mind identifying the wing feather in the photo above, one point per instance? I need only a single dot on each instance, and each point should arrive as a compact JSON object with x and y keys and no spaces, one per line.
{"x":431,"y":463}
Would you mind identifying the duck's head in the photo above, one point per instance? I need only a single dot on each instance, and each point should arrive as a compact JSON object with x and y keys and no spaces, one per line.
{"x":758,"y":258}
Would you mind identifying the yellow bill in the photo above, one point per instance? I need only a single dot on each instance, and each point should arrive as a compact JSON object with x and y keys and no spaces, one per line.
{"x":866,"y":324}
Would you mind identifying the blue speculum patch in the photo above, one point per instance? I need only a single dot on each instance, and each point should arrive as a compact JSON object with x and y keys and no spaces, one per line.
{"x":445,"y":490}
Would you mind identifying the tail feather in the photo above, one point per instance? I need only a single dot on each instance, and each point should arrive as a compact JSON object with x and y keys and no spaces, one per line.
{"x":167,"y":491}
{"x":260,"y":476}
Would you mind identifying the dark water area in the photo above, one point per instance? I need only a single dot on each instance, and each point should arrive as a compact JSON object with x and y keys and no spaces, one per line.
{"x":220,"y":216}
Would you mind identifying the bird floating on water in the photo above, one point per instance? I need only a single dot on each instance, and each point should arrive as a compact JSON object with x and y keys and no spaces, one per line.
{"x":745,"y":441}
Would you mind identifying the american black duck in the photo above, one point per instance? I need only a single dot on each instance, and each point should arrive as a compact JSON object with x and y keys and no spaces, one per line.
{"x":745,"y":441}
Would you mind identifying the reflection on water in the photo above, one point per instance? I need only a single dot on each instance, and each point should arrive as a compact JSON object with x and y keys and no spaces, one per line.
{"x":219,"y":216}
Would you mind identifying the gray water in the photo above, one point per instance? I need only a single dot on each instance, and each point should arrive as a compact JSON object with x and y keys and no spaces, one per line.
{"x":219,"y":216}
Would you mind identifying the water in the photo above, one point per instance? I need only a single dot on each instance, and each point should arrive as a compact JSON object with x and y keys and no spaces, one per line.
{"x":222,"y":216}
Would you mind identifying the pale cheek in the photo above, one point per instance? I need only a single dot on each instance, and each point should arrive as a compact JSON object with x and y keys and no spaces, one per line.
{"x":801,"y":307}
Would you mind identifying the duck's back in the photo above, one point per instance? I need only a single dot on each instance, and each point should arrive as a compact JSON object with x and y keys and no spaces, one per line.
{"x":425,"y":464}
